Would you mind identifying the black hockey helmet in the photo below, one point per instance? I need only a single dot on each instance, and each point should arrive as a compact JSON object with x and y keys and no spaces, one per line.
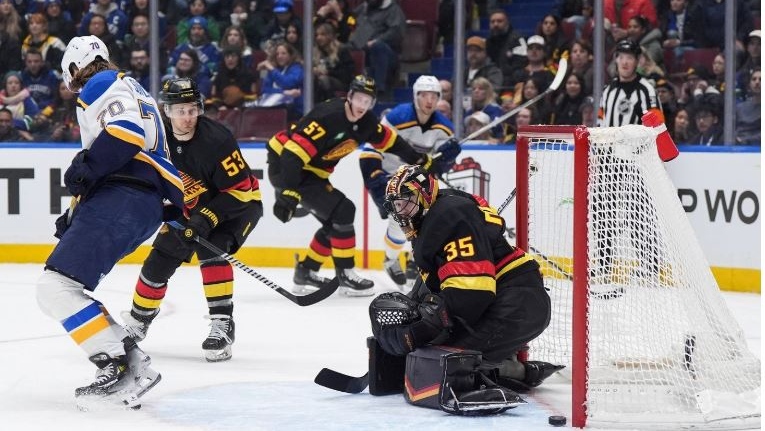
{"x":180,"y":90}
{"x":628,"y":46}
{"x":410,"y":191}
{"x":364,"y":84}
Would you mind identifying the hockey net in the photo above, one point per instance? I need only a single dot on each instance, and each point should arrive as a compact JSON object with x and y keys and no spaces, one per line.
{"x":638,"y":318}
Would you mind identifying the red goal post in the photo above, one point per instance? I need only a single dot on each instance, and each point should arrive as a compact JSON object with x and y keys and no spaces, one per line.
{"x":638,"y":318}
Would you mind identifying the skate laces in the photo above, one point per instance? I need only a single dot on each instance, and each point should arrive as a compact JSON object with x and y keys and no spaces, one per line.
{"x":135,"y":328}
{"x":108,"y":375}
{"x":351,"y":275}
{"x":220,"y":324}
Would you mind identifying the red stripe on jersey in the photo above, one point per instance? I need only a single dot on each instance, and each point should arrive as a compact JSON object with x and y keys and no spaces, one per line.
{"x":319,"y":248}
{"x":510,"y":257}
{"x":481,"y":201}
{"x":148,"y":292}
{"x":385,"y":141}
{"x":305,"y":144}
{"x":343,"y":243}
{"x":247,"y":184}
{"x":217,"y":274}
{"x":282,"y":137}
{"x":483,"y":267}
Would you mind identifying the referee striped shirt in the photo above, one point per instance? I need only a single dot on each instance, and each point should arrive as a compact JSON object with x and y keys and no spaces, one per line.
{"x":624,"y":102}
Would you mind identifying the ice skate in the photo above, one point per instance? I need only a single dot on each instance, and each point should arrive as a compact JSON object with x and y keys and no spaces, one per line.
{"x":139,"y":368}
{"x":217,"y":346}
{"x":136,"y":328}
{"x":353,"y":284}
{"x":111,"y":389}
{"x":394,"y":270}
{"x":307,"y":281}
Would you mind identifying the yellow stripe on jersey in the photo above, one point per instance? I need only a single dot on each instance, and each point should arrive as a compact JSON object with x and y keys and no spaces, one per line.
{"x":321,"y":173}
{"x":406,"y":125}
{"x":82,"y":104}
{"x":125,"y":135}
{"x":84,"y":332}
{"x":168,"y":176}
{"x":447,"y":130}
{"x":483,"y":282}
{"x":296,"y":149}
{"x":512,"y":265}
{"x":246,"y":196}
{"x":370,"y":155}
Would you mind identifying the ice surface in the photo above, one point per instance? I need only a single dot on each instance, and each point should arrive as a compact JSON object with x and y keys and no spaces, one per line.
{"x":268,"y":385}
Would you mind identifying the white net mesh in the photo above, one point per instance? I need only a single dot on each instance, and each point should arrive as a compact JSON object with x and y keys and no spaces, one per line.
{"x":662,"y":346}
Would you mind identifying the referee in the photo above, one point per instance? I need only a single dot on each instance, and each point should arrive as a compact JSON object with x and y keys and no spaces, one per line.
{"x":616,"y":208}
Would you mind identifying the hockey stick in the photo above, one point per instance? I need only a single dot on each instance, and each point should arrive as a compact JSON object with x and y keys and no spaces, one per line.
{"x":559,"y":75}
{"x":310,"y":299}
{"x":341,"y":382}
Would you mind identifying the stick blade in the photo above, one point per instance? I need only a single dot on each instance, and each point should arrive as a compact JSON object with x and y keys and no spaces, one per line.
{"x":340,"y":382}
{"x":319,"y":295}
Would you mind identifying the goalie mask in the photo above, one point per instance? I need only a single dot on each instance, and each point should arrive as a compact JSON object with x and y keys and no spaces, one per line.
{"x":409,"y":193}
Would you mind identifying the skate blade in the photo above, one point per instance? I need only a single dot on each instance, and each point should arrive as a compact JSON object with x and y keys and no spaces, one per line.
{"x":218,"y":355}
{"x":110,"y":402}
{"x":348,"y":291}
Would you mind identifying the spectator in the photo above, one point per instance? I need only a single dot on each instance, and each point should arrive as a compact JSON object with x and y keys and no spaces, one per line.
{"x":479,"y":65}
{"x":51,"y":47}
{"x":283,"y":82}
{"x":507,"y":101}
{"x":141,"y":7}
{"x":333,"y":66}
{"x":97,"y":26}
{"x":675,"y":25}
{"x":476,"y":121}
{"x":665,"y":91}
{"x":139,"y":66}
{"x":140,"y":38}
{"x":617,"y":21}
{"x":580,"y":61}
{"x":294,"y":36}
{"x":199,"y":41}
{"x":380,"y":32}
{"x":446,"y":90}
{"x":749,"y":112}
{"x":234,"y":83}
{"x":696,"y":84}
{"x":57,"y":122}
{"x":589,"y":116}
{"x":60,"y":21}
{"x":10,"y":38}
{"x":524,"y":117}
{"x":338,"y":13}
{"x":482,"y":98}
{"x":537,"y":66}
{"x":717,"y":77}
{"x":41,"y":82}
{"x":647,"y":66}
{"x":505,"y":47}
{"x":577,"y":12}
{"x":197,"y":9}
{"x":753,"y":54}
{"x":640,"y":30}
{"x":568,"y":103}
{"x":189,"y":66}
{"x":116,"y":19}
{"x":445,"y":108}
{"x":258,"y":16}
{"x":234,"y":38}
{"x":555,"y":40}
{"x":708,"y":23}
{"x":531,"y":89}
{"x":707,"y":112}
{"x":681,"y":127}
{"x":9,"y":133}
{"x":18,"y":100}
{"x":283,"y":17}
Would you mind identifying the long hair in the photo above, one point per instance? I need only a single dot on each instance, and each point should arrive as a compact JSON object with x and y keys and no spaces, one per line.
{"x":81,"y":77}
{"x":331,"y":54}
{"x":9,"y":25}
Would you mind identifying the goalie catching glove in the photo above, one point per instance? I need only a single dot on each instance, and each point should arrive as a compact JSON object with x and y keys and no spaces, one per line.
{"x":285,"y":205}
{"x":400,"y":324}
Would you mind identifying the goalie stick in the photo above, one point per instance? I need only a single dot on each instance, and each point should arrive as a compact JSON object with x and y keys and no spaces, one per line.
{"x":310,"y":299}
{"x":341,"y":382}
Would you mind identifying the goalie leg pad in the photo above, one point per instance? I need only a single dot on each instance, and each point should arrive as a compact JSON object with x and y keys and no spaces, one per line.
{"x":386,"y":371}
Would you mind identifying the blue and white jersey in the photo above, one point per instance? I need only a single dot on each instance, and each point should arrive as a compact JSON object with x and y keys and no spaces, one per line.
{"x":424,"y":138}
{"x":121,"y":127}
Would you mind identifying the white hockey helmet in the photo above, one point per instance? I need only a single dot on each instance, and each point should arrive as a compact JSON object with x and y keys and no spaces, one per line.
{"x":80,"y":52}
{"x":426,"y":83}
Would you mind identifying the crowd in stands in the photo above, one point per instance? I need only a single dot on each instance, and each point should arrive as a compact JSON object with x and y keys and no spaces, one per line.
{"x":247,"y":54}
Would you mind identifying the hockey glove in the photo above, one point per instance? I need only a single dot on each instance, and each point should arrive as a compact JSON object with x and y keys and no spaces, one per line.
{"x":434,"y":324}
{"x":62,"y":224}
{"x":199,"y":225}
{"x":447,"y":154}
{"x":286,"y":202}
{"x":78,"y":177}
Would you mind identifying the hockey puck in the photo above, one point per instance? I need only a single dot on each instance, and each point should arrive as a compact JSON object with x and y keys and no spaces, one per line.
{"x":556,"y":421}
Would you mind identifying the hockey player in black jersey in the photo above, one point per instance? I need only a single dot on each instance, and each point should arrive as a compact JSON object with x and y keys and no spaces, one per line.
{"x":300,"y":162}
{"x":478,"y":292}
{"x":222,"y":198}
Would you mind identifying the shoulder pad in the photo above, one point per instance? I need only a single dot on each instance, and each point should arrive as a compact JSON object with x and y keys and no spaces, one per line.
{"x":97,"y":86}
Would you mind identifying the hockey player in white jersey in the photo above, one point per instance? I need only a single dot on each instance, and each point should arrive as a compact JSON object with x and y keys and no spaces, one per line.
{"x":427,"y":131}
{"x":124,"y":186}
